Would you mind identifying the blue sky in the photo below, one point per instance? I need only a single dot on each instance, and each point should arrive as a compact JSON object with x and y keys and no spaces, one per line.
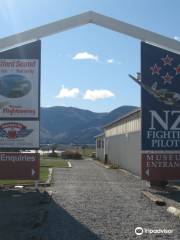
{"x":99,"y":83}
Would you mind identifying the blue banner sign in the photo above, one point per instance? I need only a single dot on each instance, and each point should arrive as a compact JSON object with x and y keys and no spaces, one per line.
{"x":160,"y":98}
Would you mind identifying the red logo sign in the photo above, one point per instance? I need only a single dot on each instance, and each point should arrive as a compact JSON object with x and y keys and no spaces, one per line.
{"x":157,"y":166}
{"x":14,"y":130}
{"x":20,"y":166}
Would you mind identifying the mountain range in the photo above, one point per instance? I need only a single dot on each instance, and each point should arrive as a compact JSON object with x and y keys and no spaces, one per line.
{"x":65,"y":125}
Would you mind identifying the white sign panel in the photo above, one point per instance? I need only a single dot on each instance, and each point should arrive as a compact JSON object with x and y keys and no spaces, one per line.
{"x":19,"y":134}
{"x":19,"y":88}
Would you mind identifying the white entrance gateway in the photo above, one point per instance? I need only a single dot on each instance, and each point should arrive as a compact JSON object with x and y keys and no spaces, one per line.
{"x":86,"y":18}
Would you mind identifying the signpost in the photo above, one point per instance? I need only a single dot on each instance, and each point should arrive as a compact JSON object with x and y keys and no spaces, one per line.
{"x":19,"y":166}
{"x":19,"y":111}
{"x":160,"y":95}
{"x":160,"y":166}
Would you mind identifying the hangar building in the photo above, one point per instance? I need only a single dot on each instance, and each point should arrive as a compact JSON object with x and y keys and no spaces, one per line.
{"x":120,"y":144}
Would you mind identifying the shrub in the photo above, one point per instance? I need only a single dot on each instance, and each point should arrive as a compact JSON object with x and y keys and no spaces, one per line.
{"x":52,"y":154}
{"x":114,"y":166}
{"x":71,"y":155}
{"x":93,"y":155}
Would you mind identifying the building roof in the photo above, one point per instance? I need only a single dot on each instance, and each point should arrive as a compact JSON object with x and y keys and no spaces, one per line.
{"x":100,"y":135}
{"x":121,"y":118}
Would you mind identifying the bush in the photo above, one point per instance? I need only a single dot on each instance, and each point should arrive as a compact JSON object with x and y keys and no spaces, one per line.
{"x":93,"y":155}
{"x":71,"y":155}
{"x":114,"y":166}
{"x":52,"y":154}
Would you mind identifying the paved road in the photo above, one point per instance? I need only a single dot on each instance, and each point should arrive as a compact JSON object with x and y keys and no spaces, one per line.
{"x":93,"y":203}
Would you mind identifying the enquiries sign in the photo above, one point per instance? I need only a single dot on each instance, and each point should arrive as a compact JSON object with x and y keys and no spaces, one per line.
{"x":160,"y":82}
{"x":19,"y":166}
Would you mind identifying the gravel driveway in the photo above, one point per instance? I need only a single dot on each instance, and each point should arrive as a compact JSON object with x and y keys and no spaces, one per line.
{"x":91,"y":202}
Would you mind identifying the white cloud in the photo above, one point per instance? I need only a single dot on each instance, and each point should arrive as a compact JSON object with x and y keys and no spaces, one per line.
{"x":177,"y":38}
{"x":68,"y":93}
{"x":111,"y":60}
{"x":85,"y":56}
{"x":97,"y":94}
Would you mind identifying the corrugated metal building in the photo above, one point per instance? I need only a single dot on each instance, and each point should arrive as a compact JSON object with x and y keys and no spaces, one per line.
{"x":100,"y":148}
{"x":121,"y":142}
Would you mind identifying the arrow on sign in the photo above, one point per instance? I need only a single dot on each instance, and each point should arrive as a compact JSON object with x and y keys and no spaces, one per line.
{"x":33,"y":172}
{"x":147,"y":172}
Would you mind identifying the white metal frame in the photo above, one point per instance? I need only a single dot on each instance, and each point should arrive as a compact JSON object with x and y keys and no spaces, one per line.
{"x":85,"y":18}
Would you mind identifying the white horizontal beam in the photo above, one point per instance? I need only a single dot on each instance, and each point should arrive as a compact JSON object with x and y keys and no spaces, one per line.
{"x":136,"y":32}
{"x":85,"y":18}
{"x":45,"y":30}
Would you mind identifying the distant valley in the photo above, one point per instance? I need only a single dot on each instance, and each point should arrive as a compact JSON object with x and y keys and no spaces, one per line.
{"x":66,"y":125}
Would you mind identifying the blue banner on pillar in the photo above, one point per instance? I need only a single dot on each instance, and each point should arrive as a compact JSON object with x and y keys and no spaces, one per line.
{"x":160,"y":98}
